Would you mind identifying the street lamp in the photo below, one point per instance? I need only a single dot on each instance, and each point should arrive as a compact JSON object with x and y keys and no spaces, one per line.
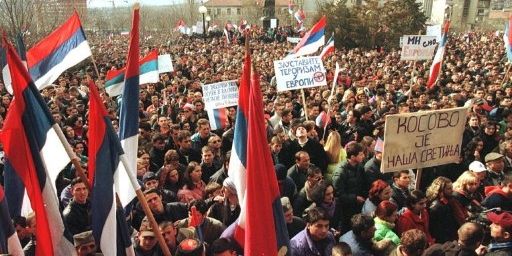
{"x":208,"y":19}
{"x":203,"y":11}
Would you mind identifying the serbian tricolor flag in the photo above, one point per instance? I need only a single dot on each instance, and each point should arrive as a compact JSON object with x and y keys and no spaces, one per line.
{"x":312,"y":40}
{"x":328,"y":47}
{"x":104,"y":151}
{"x":299,"y":15}
{"x":9,"y":242}
{"x":129,"y":117}
{"x":33,"y":151}
{"x":251,"y":163}
{"x":148,"y":71}
{"x":218,"y":118}
{"x":62,"y":49}
{"x":323,"y":120}
{"x":290,"y":7}
{"x":435,"y":69}
{"x":507,"y":38}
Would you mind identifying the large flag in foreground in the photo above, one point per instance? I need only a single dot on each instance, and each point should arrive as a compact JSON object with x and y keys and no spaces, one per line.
{"x":435,"y":69}
{"x":32,"y":149}
{"x":507,"y":38}
{"x":312,"y":40}
{"x":129,"y":118}
{"x":261,"y":228}
{"x":148,"y":73}
{"x":9,"y":242}
{"x":104,"y":152}
{"x":62,"y":49}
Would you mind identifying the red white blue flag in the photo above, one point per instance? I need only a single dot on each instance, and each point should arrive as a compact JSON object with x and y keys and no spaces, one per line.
{"x":507,"y":38}
{"x":29,"y":139}
{"x":328,"y":47}
{"x":312,"y":40}
{"x":437,"y":63}
{"x":9,"y":242}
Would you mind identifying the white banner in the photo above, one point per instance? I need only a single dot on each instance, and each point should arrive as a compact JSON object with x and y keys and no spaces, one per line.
{"x":418,"y":47}
{"x":165,"y":63}
{"x":293,"y":74}
{"x":220,"y":95}
{"x":293,"y":40}
{"x":422,"y":139}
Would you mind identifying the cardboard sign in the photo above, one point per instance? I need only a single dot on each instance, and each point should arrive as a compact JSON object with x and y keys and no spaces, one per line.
{"x":220,"y":95}
{"x":293,"y":40}
{"x":422,"y":139}
{"x":165,"y":63}
{"x":418,"y":47}
{"x":293,"y":74}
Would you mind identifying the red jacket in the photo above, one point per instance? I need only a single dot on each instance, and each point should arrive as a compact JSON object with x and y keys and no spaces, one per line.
{"x":408,"y":220}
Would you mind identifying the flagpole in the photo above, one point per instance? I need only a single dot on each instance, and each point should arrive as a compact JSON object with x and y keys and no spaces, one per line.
{"x":145,"y":206}
{"x":74,"y":160}
{"x":304,"y":102}
{"x":506,"y":74}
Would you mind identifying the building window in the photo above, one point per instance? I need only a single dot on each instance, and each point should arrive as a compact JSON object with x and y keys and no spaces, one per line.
{"x":228,"y":11}
{"x":218,"y":11}
{"x":238,"y":11}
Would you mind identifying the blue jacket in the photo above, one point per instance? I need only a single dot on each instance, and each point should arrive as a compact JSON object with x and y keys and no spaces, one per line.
{"x":303,"y":245}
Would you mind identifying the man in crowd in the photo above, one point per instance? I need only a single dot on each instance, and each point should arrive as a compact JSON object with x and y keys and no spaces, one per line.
{"x":77,"y":215}
{"x":316,"y":239}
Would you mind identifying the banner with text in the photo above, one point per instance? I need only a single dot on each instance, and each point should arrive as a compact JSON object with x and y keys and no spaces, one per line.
{"x":418,"y":47}
{"x":220,"y":95}
{"x":293,"y":74}
{"x":422,"y":139}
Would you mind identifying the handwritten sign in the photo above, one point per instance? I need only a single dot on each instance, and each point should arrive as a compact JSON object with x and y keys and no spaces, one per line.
{"x":418,"y":47}
{"x":293,"y":74}
{"x":220,"y":95}
{"x":422,"y":139}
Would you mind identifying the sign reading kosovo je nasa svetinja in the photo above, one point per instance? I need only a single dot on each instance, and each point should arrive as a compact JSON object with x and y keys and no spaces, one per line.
{"x":293,"y":74}
{"x":422,"y":139}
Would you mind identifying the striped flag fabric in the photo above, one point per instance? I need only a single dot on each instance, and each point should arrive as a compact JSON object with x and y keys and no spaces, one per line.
{"x":328,"y":47}
{"x":33,"y":150}
{"x":238,"y":160}
{"x":148,"y":71}
{"x":9,"y":241}
{"x":290,"y":7}
{"x":507,"y":38}
{"x":435,"y":69}
{"x":104,"y":150}
{"x":62,"y":49}
{"x":300,"y":16}
{"x":312,"y":40}
{"x":323,"y":119}
{"x":250,"y":163}
{"x":129,"y":118}
{"x":218,"y":118}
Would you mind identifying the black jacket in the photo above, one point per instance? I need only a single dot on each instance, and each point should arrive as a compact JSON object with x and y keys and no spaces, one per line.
{"x":77,"y":217}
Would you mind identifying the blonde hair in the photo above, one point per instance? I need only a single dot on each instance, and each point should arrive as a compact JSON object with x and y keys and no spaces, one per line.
{"x":464,"y":179}
{"x":333,"y":146}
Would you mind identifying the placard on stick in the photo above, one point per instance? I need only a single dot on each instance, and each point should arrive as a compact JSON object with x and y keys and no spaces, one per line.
{"x":422,"y":139}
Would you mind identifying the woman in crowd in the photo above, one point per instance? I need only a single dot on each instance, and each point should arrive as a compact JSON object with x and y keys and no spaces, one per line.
{"x":465,"y":196}
{"x":335,"y":153}
{"x":415,"y":215}
{"x":194,"y":187}
{"x":385,"y":217}
{"x":379,"y":191}
{"x":445,"y":226}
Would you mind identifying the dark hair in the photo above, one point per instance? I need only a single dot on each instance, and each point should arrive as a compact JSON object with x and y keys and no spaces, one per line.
{"x":361,"y":223}
{"x":385,"y":209}
{"x":414,"y":242}
{"x":396,"y":175}
{"x":414,"y":197}
{"x":200,"y":205}
{"x":221,"y":245}
{"x":315,"y":214}
{"x":153,"y":190}
{"x":353,"y":149}
{"x":76,"y":181}
{"x":312,"y":170}
{"x":186,"y":176}
{"x":183,"y":135}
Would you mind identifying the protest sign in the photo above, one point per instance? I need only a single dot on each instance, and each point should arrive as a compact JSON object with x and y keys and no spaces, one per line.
{"x":418,"y":47}
{"x":422,"y":139}
{"x":165,"y":63}
{"x":434,"y":30}
{"x":293,"y":40}
{"x":293,"y":74}
{"x":220,"y":95}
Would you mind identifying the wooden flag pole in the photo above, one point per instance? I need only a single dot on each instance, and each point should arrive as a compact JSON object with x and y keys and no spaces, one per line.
{"x":145,"y":206}
{"x":419,"y":173}
{"x":304,"y":102}
{"x":74,"y":159}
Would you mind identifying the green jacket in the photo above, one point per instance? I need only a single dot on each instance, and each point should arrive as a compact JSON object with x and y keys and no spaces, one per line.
{"x":384,"y":230}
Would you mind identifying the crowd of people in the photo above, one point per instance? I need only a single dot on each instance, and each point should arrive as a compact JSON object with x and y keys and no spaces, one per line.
{"x":335,"y":199}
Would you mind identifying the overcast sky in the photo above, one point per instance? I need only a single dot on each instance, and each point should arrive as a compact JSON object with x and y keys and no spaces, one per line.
{"x":119,"y":3}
